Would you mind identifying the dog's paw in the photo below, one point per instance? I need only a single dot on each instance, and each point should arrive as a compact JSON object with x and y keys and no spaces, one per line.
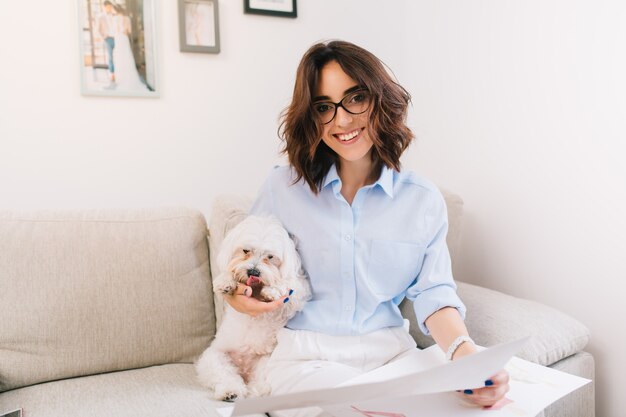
{"x":225,"y":287}
{"x":270,"y":294}
{"x":229,"y":398}
{"x":229,"y":393}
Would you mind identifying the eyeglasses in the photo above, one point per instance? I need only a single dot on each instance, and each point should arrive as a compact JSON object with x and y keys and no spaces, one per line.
{"x":356,"y":102}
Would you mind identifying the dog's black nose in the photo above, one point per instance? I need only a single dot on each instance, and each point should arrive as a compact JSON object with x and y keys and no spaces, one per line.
{"x":254,"y":272}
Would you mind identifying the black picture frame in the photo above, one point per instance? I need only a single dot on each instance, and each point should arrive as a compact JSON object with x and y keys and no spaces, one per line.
{"x":283,"y":8}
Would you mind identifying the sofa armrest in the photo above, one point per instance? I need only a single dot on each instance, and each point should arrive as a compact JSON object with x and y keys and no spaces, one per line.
{"x":494,"y":317}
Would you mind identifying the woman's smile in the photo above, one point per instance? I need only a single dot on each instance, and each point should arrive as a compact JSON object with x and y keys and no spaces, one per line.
{"x":349,"y":137}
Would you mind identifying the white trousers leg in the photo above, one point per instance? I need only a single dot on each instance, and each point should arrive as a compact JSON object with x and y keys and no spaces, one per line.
{"x":305,"y":360}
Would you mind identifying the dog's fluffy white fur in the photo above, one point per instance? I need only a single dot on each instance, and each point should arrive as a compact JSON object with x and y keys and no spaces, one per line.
{"x":233,"y":366}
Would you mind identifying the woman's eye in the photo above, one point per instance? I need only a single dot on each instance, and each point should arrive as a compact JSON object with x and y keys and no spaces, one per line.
{"x":358,"y":98}
{"x":322,"y":107}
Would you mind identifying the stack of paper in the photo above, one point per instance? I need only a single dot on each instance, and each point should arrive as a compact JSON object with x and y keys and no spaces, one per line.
{"x":424,"y":384}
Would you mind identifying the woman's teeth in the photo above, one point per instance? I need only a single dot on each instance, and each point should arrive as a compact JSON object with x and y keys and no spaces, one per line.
{"x":349,"y":136}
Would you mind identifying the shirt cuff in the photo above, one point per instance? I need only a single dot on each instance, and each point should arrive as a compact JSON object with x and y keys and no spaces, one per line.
{"x":434,"y":299}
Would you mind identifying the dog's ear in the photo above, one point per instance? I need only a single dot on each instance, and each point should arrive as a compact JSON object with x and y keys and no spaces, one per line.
{"x":224,"y":254}
{"x":291,"y":266}
{"x":295,"y":239}
{"x":227,"y":247}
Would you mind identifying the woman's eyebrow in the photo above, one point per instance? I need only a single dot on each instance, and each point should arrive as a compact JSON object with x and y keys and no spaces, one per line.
{"x":348,"y":91}
{"x":351,"y":89}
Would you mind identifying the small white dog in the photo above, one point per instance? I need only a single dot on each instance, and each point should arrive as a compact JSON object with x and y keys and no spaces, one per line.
{"x":257,"y":252}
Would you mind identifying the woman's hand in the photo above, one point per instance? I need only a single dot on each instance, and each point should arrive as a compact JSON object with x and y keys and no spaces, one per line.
{"x":444,"y":326}
{"x":495,"y":387}
{"x":242,"y":301}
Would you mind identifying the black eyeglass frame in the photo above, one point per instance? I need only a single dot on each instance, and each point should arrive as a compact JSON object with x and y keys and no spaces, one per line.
{"x":340,"y":104}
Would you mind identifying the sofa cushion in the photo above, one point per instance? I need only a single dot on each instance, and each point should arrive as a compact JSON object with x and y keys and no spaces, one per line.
{"x":494,"y":317}
{"x":158,"y":391}
{"x":229,"y":209}
{"x":85,"y":292}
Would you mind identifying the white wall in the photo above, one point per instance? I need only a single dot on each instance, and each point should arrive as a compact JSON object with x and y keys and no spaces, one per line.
{"x":518,"y":106}
{"x":212,"y":131}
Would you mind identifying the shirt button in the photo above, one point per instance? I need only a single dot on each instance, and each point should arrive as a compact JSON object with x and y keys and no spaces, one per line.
{"x":348,"y":308}
{"x":348,"y":238}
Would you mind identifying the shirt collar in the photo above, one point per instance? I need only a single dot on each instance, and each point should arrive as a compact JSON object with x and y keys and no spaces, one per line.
{"x":385,"y":181}
{"x":331,"y":176}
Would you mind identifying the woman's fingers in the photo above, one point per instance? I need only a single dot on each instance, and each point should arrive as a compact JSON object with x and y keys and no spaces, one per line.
{"x":487,"y":396}
{"x":243,"y":302}
{"x":273,"y":305}
{"x":243,"y":290}
{"x":495,"y":389}
{"x":501,"y":378}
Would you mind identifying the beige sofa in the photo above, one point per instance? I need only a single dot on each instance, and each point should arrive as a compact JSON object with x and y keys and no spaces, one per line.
{"x":102,"y":313}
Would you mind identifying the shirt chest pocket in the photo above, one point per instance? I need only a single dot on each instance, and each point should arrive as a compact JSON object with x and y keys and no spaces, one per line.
{"x":393,"y":266}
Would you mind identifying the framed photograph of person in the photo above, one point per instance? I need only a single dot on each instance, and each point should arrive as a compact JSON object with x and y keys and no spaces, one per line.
{"x":198,"y":24}
{"x":282,"y":8}
{"x":118,"y":53}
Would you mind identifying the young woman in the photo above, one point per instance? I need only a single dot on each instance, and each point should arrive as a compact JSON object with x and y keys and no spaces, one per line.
{"x":369,"y":233}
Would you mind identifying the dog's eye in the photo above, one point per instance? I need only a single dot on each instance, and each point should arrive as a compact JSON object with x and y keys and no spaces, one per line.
{"x":246,"y":251}
{"x":270,"y":256}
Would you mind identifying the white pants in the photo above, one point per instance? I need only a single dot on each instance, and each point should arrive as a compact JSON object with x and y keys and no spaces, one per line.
{"x":304,"y":360}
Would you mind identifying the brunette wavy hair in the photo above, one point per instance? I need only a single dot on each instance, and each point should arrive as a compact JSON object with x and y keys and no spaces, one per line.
{"x":301,"y":131}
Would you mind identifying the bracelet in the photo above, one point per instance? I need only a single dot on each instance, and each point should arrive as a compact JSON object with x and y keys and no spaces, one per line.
{"x":455,"y":345}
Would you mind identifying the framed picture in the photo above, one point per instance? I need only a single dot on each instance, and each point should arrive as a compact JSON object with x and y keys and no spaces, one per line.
{"x":118,"y":48}
{"x":198,"y":26}
{"x":283,"y":8}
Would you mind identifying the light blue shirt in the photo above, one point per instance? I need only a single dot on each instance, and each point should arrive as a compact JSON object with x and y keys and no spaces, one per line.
{"x":364,"y":259}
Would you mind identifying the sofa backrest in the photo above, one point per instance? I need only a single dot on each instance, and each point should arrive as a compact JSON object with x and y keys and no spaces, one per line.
{"x":229,"y":209}
{"x":85,"y":292}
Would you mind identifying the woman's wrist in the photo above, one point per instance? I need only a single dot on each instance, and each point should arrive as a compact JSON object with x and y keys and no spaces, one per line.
{"x":463,"y":345}
{"x":464,"y":349}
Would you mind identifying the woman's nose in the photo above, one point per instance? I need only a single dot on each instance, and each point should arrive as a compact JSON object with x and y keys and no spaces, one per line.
{"x":342,"y":118}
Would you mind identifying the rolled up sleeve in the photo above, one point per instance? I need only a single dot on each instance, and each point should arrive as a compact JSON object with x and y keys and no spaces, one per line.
{"x":434,"y":287}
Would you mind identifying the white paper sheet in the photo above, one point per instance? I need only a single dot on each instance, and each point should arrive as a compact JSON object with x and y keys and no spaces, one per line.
{"x":385,"y":383}
{"x":533,"y":388}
